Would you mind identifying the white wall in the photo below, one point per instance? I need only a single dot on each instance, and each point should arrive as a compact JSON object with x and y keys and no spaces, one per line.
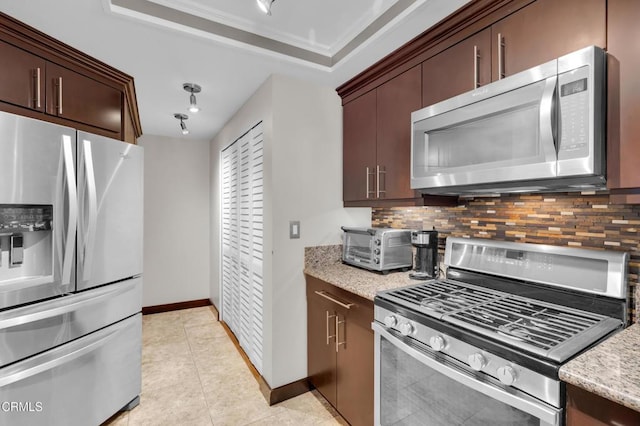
{"x":303,"y":181}
{"x":307,"y":183}
{"x":176,"y":220}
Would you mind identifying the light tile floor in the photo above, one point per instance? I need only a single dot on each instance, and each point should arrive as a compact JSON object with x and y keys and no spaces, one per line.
{"x":192,"y":374}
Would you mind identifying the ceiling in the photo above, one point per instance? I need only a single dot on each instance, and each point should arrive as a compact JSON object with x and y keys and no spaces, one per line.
{"x":228,"y":47}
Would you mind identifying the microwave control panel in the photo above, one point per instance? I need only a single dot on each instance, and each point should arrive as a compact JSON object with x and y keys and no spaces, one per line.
{"x":574,"y":113}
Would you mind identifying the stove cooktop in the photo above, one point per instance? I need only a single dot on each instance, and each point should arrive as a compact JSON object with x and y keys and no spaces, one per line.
{"x":548,"y":330}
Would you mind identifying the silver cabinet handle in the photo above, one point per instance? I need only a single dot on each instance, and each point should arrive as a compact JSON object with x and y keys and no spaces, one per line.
{"x":501,"y":73}
{"x":369,"y":174}
{"x":379,"y":171}
{"x":329,"y":336}
{"x":328,"y":297}
{"x":338,"y":342}
{"x":476,"y":70}
{"x":59,"y":106}
{"x":367,"y":183}
{"x":36,"y":76}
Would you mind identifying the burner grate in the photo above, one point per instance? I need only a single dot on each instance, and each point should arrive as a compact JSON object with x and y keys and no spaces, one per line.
{"x":530,"y":324}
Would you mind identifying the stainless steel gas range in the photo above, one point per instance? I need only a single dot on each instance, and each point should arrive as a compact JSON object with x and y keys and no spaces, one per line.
{"x":484,"y":345}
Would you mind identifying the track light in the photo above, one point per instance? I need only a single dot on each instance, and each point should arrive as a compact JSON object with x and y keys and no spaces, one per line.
{"x":192,"y":88}
{"x":265,"y":6}
{"x":183,"y":126}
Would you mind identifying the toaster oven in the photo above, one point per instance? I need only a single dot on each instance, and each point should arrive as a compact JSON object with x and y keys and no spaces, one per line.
{"x":377,"y":249}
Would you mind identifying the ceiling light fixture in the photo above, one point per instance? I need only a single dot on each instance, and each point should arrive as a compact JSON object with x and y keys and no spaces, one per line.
{"x":265,"y":6}
{"x":192,"y":88}
{"x":183,"y":126}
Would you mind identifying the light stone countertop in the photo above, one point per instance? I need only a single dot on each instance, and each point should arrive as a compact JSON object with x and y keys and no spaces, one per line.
{"x":325,"y":263}
{"x":610,"y":370}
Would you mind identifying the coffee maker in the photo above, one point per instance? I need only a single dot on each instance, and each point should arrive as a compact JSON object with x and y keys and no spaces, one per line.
{"x":426,"y":261}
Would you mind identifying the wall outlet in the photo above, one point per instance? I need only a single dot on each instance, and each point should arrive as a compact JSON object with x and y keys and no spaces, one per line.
{"x":294,"y":229}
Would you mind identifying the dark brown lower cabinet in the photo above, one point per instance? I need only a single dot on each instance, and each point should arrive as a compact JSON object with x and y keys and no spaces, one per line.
{"x":340,"y":349}
{"x":588,"y":409}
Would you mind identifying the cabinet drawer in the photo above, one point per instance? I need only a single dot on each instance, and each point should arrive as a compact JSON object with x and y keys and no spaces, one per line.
{"x":31,"y":329}
{"x":360,"y":310}
{"x":83,"y":382}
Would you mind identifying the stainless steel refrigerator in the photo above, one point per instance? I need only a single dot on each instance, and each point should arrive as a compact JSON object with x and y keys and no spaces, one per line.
{"x":71,"y":225}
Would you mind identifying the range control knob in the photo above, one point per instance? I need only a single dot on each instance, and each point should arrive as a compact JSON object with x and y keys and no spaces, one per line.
{"x":376,"y":260}
{"x":390,"y":321}
{"x":405,"y":328}
{"x":437,"y":343}
{"x":376,"y":251}
{"x":507,"y":375}
{"x":377,"y":241}
{"x":477,"y":361}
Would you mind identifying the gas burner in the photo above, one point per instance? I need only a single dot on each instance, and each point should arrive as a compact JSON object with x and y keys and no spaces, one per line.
{"x":432,"y":304}
{"x":456,"y":300}
{"x":514,"y":331}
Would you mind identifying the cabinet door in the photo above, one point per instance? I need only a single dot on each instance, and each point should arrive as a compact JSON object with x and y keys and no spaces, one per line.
{"x":321,"y":349}
{"x":588,"y":409}
{"x":22,"y":77}
{"x":545,"y":30}
{"x":460,"y":68}
{"x":397,"y":99}
{"x":355,"y":367}
{"x":359,"y":148}
{"x":79,"y":98}
{"x":623,"y":69}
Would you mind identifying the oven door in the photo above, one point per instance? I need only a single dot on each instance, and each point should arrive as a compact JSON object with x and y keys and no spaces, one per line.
{"x":415,"y":386}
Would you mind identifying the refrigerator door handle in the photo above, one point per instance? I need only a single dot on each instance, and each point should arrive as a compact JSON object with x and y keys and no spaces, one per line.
{"x":89,"y":237}
{"x":73,"y":209}
{"x":72,"y":305}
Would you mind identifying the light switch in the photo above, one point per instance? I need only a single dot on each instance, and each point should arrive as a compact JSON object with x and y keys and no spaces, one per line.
{"x":294,"y":229}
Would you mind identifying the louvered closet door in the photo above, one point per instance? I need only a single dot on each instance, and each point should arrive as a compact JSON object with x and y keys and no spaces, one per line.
{"x":229,"y":233}
{"x":256,"y":236}
{"x":242,"y":233}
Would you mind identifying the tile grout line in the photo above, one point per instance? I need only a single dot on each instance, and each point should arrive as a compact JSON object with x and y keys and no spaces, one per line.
{"x":206,"y":403}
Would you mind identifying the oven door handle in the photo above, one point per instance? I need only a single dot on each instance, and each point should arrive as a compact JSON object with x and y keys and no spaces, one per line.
{"x":546,"y":414}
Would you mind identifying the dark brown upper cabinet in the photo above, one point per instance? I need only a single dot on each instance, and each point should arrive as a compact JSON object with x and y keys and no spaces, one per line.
{"x":532,"y":35}
{"x":23,"y":78}
{"x":79,"y":98}
{"x":545,"y":30}
{"x":377,"y":142}
{"x":462,"y":67}
{"x":397,"y":99}
{"x":359,"y":148}
{"x":453,"y":57}
{"x":48,"y":80}
{"x":623,"y":125}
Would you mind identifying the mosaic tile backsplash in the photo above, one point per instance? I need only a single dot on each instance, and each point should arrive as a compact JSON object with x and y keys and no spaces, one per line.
{"x":579,"y":220}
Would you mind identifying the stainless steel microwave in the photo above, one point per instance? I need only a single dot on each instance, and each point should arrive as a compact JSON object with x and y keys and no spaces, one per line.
{"x":539,"y":130}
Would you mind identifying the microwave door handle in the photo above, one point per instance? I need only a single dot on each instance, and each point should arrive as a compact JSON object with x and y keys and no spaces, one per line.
{"x":547,"y":120}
